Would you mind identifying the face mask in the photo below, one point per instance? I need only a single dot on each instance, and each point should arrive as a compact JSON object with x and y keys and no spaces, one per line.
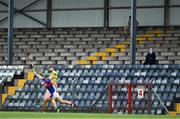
{"x":150,"y":51}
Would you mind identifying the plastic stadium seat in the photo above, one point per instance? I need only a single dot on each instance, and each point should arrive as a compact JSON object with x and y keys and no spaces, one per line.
{"x":174,"y":88}
{"x":11,"y":104}
{"x":164,"y":81}
{"x":168,"y":88}
{"x":177,"y":81}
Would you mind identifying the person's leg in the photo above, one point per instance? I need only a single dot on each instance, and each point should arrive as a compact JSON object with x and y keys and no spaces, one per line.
{"x":53,"y":102}
{"x":45,"y":102}
{"x":125,"y":30}
{"x":60,"y":100}
{"x":64,"y":101}
{"x":46,"y":94}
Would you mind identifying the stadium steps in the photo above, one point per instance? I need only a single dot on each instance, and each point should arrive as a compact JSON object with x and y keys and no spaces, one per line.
{"x":11,"y":91}
{"x":30,"y":75}
{"x":4,"y":98}
{"x":109,"y":54}
{"x":177,"y":112}
{"x":20,"y":84}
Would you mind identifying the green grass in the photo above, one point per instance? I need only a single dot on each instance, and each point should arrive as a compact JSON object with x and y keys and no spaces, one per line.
{"x":47,"y":115}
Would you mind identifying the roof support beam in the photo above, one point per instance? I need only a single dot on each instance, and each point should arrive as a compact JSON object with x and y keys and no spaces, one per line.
{"x":21,"y":11}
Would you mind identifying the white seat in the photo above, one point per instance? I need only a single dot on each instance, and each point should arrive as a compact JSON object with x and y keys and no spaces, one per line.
{"x":4,"y":67}
{"x":10,"y":67}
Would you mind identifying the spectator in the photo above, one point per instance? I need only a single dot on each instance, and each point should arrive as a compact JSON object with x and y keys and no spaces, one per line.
{"x":150,"y":58}
{"x":128,"y":27}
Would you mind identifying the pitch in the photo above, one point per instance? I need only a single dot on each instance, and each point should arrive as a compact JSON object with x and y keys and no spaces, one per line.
{"x":62,"y":115}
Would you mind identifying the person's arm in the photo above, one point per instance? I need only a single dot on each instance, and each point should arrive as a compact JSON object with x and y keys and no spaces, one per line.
{"x":39,"y":76}
{"x":154,"y":58}
{"x":147,"y":59}
{"x":54,"y":83}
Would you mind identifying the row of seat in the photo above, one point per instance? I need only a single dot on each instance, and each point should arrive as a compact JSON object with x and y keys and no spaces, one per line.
{"x":85,"y":91}
{"x":59,"y":48}
{"x":71,"y":29}
{"x":7,"y":73}
{"x":90,"y":30}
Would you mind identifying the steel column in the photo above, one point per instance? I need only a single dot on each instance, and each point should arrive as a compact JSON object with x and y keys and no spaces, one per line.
{"x":10,"y":31}
{"x":49,"y":13}
{"x":106,"y":13}
{"x":133,"y":31}
{"x":166,"y":12}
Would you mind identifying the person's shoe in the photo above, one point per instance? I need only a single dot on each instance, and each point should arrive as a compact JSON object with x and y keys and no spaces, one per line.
{"x":43,"y":110}
{"x":57,"y":110}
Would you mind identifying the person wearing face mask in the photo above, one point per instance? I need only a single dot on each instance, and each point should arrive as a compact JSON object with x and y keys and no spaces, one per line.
{"x":150,"y":58}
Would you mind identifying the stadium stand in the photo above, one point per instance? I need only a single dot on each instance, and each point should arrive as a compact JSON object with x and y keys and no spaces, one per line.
{"x":86,"y":83}
{"x":90,"y":45}
{"x":8,"y":74}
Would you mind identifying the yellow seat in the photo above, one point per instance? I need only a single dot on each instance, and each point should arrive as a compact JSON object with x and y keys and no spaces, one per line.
{"x":153,"y":32}
{"x":94,"y":62}
{"x":120,"y":46}
{"x":177,"y":110}
{"x":140,"y":39}
{"x":172,"y":113}
{"x":150,"y":38}
{"x":122,"y":50}
{"x":92,"y":58}
{"x":101,"y":54}
{"x":104,"y":58}
{"x":178,"y":107}
{"x":21,"y":83}
{"x":158,"y":34}
{"x":110,"y":50}
{"x":141,"y":42}
{"x":113,"y":54}
{"x":4,"y":97}
{"x":145,"y":35}
{"x":82,"y":62}
{"x":30,"y":75}
{"x":157,"y":31}
{"x":11,"y":90}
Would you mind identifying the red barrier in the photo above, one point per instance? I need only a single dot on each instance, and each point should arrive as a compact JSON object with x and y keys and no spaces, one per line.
{"x":110,"y":98}
{"x":129,"y":98}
